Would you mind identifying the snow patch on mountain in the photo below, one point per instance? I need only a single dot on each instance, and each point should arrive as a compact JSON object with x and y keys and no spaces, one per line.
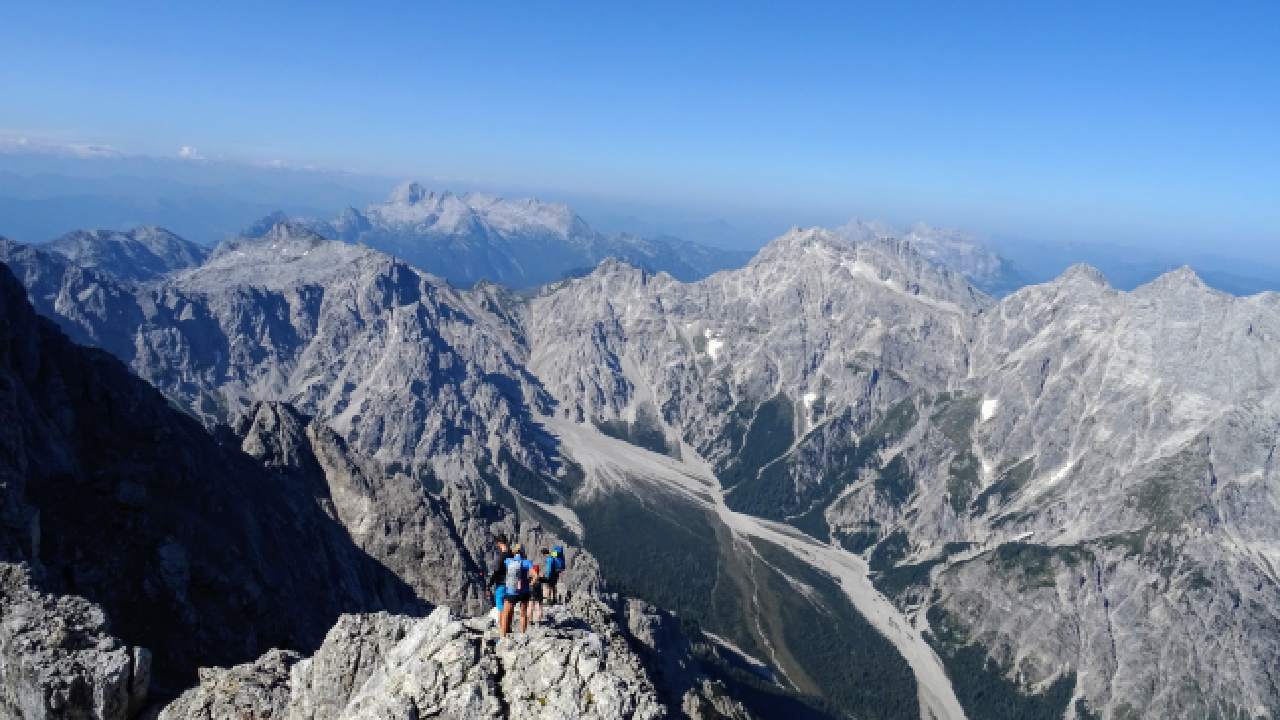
{"x":988,"y":410}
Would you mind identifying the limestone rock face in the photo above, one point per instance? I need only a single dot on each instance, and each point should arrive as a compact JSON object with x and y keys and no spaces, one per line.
{"x":815,"y":326}
{"x":59,"y":660}
{"x":402,"y":366}
{"x":439,"y":543}
{"x":259,"y":689}
{"x":383,"y":667}
{"x":1103,"y":461}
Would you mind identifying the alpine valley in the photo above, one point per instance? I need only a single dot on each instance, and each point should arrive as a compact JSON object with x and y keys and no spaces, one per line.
{"x":838,"y":480}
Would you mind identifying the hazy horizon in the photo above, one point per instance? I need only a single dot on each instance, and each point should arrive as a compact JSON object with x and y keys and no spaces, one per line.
{"x":1146,"y":127}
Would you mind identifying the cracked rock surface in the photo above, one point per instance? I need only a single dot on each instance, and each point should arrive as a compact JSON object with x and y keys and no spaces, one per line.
{"x":59,"y":660}
{"x":380,"y":666}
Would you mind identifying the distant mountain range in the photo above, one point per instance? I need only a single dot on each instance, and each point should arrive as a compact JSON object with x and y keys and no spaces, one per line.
{"x":471,"y":238}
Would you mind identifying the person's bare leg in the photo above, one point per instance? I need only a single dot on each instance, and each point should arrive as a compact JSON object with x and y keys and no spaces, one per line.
{"x":524,"y":616}
{"x":504,"y":620}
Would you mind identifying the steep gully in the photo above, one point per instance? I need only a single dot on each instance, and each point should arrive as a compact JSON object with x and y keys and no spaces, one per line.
{"x":609,"y":462}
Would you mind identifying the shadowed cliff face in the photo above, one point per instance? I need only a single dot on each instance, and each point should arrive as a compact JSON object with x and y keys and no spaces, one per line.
{"x":192,"y":547}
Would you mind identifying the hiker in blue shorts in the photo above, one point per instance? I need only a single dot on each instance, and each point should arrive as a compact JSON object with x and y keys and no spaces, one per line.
{"x":516,"y":582}
{"x":497,"y":580}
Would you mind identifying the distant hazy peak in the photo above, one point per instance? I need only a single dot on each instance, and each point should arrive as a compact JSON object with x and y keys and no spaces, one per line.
{"x":281,"y":233}
{"x":1185,"y":275}
{"x":288,"y":230}
{"x":445,"y":212}
{"x":949,"y":247}
{"x":408,"y":193}
{"x":1084,"y":272}
{"x":148,"y":234}
{"x":859,"y":229}
{"x":264,"y":224}
{"x":143,"y":253}
{"x":797,"y":240}
{"x":1178,"y":280}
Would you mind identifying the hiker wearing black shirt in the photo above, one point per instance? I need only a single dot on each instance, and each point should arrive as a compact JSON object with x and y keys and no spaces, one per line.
{"x":498,"y":578}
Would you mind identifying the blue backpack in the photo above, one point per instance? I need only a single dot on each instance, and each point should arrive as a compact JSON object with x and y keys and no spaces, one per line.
{"x":557,"y":554}
{"x":517,"y":575}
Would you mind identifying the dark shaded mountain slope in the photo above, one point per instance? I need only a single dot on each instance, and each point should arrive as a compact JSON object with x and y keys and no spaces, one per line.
{"x":193,"y":548}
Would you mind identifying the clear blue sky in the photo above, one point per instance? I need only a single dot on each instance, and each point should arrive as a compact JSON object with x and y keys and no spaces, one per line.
{"x":1155,"y":121}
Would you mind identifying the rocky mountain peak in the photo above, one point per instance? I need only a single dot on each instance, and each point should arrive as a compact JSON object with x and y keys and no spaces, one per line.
{"x":275,"y":433}
{"x":264,"y":224}
{"x":866,"y":230}
{"x":408,"y":193}
{"x":798,"y":242}
{"x":287,"y":254}
{"x":1084,"y":273}
{"x":618,"y":266}
{"x":288,"y":231}
{"x":280,"y":231}
{"x":141,"y":254}
{"x":1179,"y":279}
{"x":883,"y":264}
{"x":953,"y":249}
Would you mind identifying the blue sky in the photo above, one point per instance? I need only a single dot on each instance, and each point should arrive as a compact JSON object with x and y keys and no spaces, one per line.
{"x":1129,"y":121}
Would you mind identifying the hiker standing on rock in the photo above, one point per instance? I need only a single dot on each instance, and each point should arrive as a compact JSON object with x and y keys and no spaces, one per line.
{"x":517,"y":591}
{"x":537,"y":590}
{"x":497,"y":580}
{"x":552,"y":565}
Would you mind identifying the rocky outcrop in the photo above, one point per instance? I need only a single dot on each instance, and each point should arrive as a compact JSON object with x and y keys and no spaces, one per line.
{"x":58,"y":658}
{"x":436,"y":538}
{"x":668,"y":653}
{"x":138,"y":255}
{"x":577,"y":664}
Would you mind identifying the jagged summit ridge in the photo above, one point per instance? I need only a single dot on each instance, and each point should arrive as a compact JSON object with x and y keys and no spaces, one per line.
{"x":138,"y":255}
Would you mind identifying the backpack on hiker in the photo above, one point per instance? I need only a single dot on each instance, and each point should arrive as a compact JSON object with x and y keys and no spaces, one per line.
{"x":517,"y":582}
{"x":557,"y":553}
